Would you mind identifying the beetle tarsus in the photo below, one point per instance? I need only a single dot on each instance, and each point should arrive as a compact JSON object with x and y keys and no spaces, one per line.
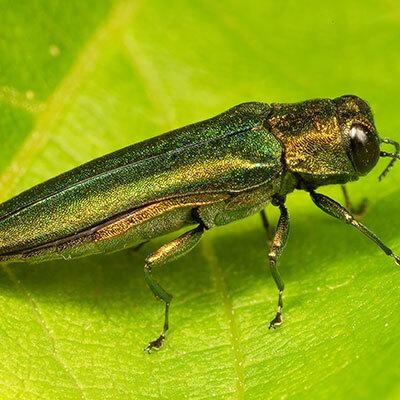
{"x":155,"y":344}
{"x":278,"y":320}
{"x":397,"y":259}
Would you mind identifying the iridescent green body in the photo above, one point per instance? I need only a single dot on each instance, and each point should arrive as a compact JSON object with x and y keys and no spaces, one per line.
{"x":206,"y":174}
{"x":214,"y":161}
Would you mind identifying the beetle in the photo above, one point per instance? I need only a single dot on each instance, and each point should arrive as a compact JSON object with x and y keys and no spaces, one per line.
{"x":202,"y":175}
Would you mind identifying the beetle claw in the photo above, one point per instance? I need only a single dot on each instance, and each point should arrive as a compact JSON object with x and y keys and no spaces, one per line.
{"x":155,"y":344}
{"x":278,"y":320}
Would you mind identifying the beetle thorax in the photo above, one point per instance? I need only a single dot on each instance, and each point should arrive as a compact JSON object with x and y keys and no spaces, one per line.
{"x":313,"y":143}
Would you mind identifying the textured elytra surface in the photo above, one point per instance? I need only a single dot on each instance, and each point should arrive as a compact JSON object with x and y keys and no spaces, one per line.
{"x":79,"y":80}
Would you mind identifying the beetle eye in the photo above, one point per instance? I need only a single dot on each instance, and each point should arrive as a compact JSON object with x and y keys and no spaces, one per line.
{"x":364,"y":148}
{"x":357,"y":133}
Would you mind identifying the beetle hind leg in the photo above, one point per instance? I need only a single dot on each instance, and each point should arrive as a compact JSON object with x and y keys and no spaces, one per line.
{"x":276,"y":247}
{"x":168,"y":252}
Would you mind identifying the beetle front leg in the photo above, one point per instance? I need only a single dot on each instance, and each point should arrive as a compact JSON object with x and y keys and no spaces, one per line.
{"x":358,"y":211}
{"x":334,"y":209}
{"x":168,"y":252}
{"x":276,"y":247}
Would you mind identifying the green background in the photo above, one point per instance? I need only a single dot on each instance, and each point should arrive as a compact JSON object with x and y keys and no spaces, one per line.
{"x":82,"y":78}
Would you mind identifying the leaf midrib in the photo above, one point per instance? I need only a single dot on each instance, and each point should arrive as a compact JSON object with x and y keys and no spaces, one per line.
{"x":66,"y":91}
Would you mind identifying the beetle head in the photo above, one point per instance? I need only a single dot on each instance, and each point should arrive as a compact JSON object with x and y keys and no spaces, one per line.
{"x":359,"y":134}
{"x":357,"y":123}
{"x":328,"y":141}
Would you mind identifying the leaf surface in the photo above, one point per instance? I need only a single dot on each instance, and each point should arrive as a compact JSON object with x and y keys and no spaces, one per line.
{"x":80,"y":79}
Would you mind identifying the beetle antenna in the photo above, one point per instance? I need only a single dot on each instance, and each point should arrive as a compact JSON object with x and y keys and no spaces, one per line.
{"x":394,"y":156}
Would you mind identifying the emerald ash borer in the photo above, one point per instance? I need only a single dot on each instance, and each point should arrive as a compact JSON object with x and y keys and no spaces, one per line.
{"x":202,"y":175}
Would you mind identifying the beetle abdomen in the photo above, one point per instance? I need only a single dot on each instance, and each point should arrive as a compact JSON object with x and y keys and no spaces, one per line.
{"x":125,"y":230}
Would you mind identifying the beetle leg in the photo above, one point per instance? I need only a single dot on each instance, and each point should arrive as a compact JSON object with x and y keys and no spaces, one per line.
{"x":333,"y":208}
{"x":266,"y":225}
{"x":358,"y":211}
{"x":136,"y":248}
{"x":168,"y":252}
{"x":276,"y":247}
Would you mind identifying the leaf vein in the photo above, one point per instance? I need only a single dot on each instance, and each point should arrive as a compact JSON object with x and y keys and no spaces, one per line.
{"x":150,"y":78}
{"x":46,"y":329}
{"x":209,"y":255}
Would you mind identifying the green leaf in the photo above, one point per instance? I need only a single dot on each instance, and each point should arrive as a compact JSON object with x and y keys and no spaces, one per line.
{"x":79,"y":79}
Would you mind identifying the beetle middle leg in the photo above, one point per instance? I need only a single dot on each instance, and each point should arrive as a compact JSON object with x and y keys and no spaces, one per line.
{"x":276,"y":247}
{"x":359,"y":210}
{"x":168,"y":252}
